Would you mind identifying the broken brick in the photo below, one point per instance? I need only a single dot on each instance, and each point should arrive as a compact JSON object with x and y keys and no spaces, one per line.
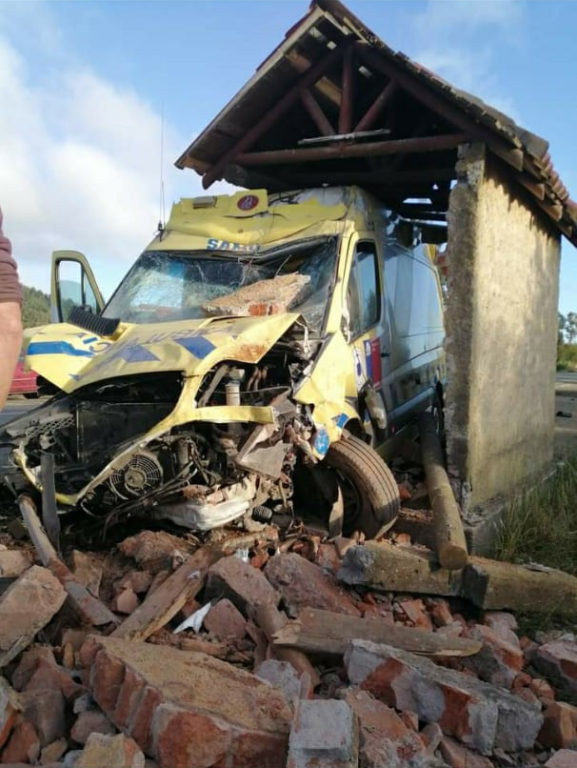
{"x":503,"y":624}
{"x":154,"y":550}
{"x":458,"y":756}
{"x":87,"y":568}
{"x":498,"y":661}
{"x":138,"y":581}
{"x":239,"y":582}
{"x":54,"y":751}
{"x":10,"y":706}
{"x":325,"y":734}
{"x":415,"y":611}
{"x":378,"y":724}
{"x":542,"y":690}
{"x":110,"y":751}
{"x":431,"y":736}
{"x":125,"y":601}
{"x":44,"y":704}
{"x":225,"y":621}
{"x":13,"y":562}
{"x":89,"y":722}
{"x":303,"y":584}
{"x":190,"y":708}
{"x":564,"y":758}
{"x":557,"y":661}
{"x":23,"y":745}
{"x":481,"y":715}
{"x":328,"y":558}
{"x":29,"y":663}
{"x":559,"y":728}
{"x":440,"y":612}
{"x":25,"y":608}
{"x":281,"y":675}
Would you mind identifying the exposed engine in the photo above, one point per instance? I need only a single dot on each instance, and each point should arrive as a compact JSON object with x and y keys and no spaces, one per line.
{"x":200,"y":474}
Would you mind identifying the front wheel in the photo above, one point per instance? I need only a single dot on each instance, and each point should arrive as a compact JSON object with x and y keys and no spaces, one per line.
{"x":370,"y":492}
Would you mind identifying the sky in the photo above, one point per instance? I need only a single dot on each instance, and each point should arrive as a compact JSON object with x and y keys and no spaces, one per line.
{"x":85,"y":88}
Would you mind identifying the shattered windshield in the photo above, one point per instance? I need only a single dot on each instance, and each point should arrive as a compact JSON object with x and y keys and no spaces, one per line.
{"x":164,"y":286}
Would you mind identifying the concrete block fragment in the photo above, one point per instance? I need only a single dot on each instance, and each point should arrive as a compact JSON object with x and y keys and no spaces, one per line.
{"x":242,"y":584}
{"x":225,"y":621}
{"x":190,"y":709}
{"x":111,"y":751}
{"x":480,"y":715}
{"x":557,"y":661}
{"x":25,"y":608}
{"x":325,"y":734}
{"x":303,"y":584}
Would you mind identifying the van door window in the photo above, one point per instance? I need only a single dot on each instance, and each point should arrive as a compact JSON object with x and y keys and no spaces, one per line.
{"x":363,"y":292}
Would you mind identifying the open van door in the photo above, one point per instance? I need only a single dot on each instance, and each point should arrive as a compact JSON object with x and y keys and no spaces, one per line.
{"x":72,"y":285}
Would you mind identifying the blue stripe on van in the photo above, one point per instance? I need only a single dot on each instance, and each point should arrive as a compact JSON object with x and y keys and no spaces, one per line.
{"x":56,"y":348}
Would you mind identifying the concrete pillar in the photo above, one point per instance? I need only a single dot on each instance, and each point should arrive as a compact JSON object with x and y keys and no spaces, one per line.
{"x":503,"y":260}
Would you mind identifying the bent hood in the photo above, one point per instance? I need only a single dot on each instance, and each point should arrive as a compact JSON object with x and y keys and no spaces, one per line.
{"x":71,"y":357}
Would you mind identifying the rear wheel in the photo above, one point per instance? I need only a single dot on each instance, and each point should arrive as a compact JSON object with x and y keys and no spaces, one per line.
{"x":370,"y":492}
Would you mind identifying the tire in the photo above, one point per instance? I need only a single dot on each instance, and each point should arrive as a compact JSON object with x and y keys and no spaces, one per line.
{"x":370,"y":492}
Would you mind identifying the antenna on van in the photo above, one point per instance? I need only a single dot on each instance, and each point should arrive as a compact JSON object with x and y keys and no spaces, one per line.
{"x":161,"y":203}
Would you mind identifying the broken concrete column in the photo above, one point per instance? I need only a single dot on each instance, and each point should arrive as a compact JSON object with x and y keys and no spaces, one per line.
{"x":325,"y":734}
{"x":191,"y":709}
{"x":480,"y":715}
{"x":25,"y":608}
{"x":503,"y":264}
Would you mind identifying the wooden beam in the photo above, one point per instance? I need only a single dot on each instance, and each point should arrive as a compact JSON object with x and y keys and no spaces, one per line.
{"x":313,"y":108}
{"x":383,"y":177}
{"x":347,"y":100}
{"x":323,"y":85}
{"x":325,"y":632}
{"x":165,"y":602}
{"x":368,"y":119}
{"x":86,"y":606}
{"x":426,"y":95}
{"x":372,"y":149}
{"x":269,"y":119}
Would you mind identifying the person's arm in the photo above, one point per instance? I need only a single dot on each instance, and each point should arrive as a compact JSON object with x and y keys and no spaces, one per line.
{"x":10,"y":316}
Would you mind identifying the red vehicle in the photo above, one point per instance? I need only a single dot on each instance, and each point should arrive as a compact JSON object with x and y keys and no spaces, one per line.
{"x":24,"y":382}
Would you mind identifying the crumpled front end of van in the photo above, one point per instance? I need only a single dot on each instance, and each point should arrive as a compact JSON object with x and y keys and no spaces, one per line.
{"x":197,"y":422}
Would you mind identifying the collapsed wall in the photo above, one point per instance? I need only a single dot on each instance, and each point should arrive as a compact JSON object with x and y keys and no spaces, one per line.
{"x":501,"y":336}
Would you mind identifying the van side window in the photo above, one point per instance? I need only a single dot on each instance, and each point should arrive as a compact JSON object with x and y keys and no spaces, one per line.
{"x":363,"y":293}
